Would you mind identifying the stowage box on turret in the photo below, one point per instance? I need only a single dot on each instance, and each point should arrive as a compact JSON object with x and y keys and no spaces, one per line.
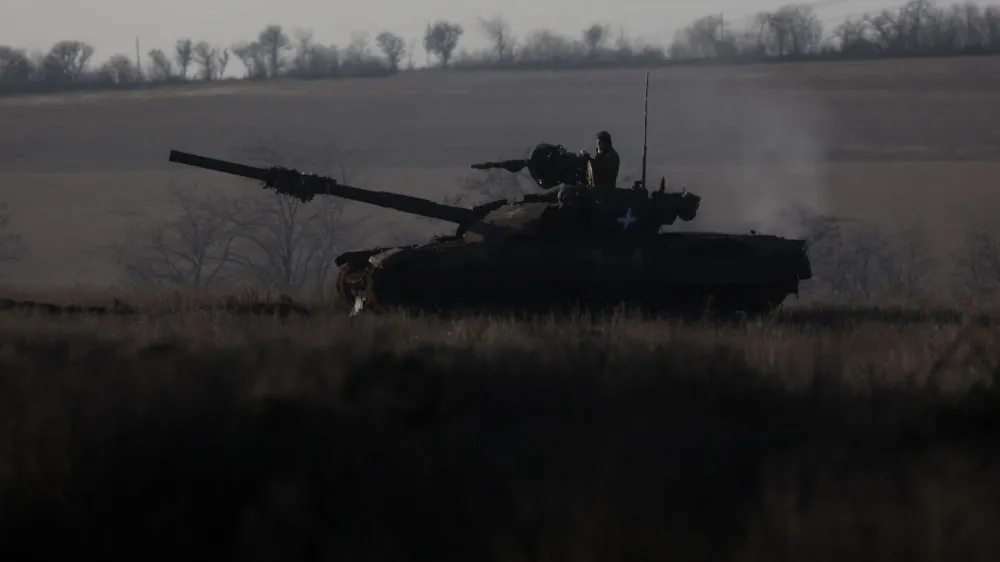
{"x":573,"y":245}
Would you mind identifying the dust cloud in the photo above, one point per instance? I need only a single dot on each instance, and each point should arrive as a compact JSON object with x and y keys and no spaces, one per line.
{"x":767,"y":149}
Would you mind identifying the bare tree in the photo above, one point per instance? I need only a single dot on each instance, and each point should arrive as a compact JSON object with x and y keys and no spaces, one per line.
{"x":221,"y":62}
{"x":441,"y":38}
{"x":908,"y":265}
{"x":545,"y":46}
{"x":835,"y":257}
{"x":887,"y":34}
{"x":991,"y":27}
{"x":66,"y":61}
{"x":211,"y":61}
{"x":916,"y":20}
{"x":855,"y":37}
{"x":194,"y":249}
{"x":287,"y":243}
{"x":701,"y":39}
{"x":119,"y":69}
{"x":805,"y":30}
{"x":977,"y":264}
{"x":623,"y":46}
{"x":15,"y":66}
{"x":162,"y":67}
{"x":358,"y":52}
{"x":271,"y":238}
{"x":264,"y":58}
{"x":410,"y":52}
{"x":254,"y":59}
{"x":865,"y":257}
{"x":310,"y":59}
{"x":972,"y":22}
{"x":303,"y":51}
{"x":323,"y":61}
{"x":274,"y":43}
{"x":824,"y":236}
{"x":497,"y":31}
{"x":594,"y":39}
{"x":204,"y":57}
{"x":12,"y":246}
{"x":855,"y":261}
{"x":183,"y":52}
{"x":791,"y":31}
{"x":392,"y":47}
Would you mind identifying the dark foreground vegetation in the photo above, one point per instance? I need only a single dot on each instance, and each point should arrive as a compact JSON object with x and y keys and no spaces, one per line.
{"x":796,"y":31}
{"x":820,"y":434}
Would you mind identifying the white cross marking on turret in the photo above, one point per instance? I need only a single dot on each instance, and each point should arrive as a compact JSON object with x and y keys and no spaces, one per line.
{"x":627,"y":219}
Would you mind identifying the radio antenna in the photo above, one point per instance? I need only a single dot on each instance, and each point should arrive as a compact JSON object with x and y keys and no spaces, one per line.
{"x":645,"y":128}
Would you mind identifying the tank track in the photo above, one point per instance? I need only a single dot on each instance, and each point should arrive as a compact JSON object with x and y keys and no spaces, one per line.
{"x":361,"y":288}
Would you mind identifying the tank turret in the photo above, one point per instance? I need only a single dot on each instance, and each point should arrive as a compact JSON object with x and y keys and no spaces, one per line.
{"x":632,"y":210}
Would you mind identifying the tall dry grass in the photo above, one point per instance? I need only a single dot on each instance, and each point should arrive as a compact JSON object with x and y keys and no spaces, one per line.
{"x":819,"y":434}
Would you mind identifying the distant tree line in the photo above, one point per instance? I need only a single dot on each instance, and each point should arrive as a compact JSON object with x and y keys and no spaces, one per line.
{"x":792,"y":32}
{"x":917,"y":28}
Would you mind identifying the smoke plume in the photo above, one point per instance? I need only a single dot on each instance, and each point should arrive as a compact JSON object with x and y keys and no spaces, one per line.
{"x":767,"y":151}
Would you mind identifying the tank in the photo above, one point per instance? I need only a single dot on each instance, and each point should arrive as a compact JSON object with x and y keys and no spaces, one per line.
{"x":568,"y":245}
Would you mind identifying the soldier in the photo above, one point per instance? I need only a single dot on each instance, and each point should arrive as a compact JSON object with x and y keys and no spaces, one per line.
{"x":602,"y":170}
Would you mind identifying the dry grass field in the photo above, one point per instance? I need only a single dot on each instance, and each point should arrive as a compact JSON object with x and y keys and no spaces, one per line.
{"x":176,"y":426}
{"x":820,"y":434}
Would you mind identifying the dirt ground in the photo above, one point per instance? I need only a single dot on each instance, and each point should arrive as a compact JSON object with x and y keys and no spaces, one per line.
{"x":904,"y":141}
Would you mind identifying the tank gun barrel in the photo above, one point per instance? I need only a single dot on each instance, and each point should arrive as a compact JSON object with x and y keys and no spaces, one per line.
{"x":306,"y":186}
{"x":231,"y":168}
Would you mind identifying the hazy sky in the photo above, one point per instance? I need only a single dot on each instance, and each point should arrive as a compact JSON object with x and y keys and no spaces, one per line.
{"x":112,"y":25}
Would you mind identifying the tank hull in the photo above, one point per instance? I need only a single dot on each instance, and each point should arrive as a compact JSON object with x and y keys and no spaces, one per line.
{"x":683,"y":273}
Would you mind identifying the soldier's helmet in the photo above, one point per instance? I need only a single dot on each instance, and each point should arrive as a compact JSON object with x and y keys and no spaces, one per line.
{"x":604,"y":137}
